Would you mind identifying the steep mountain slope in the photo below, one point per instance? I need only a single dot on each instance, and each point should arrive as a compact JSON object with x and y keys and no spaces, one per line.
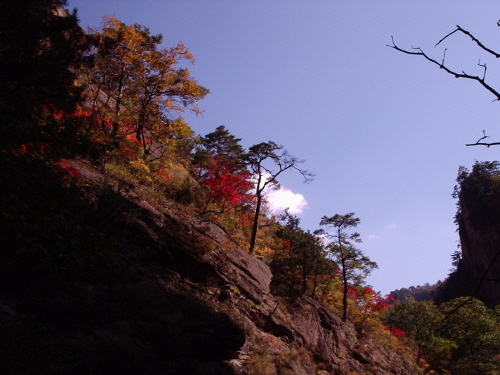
{"x":200,"y":305}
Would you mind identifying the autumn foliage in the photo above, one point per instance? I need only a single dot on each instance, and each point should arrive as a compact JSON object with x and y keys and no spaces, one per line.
{"x":125,"y":96}
{"x":226,"y":183}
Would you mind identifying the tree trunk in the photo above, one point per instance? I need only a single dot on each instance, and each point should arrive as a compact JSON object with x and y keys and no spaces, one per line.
{"x":255,"y":222}
{"x":344,"y":279}
{"x":315,"y":279}
{"x":118,"y":104}
{"x":304,"y":276}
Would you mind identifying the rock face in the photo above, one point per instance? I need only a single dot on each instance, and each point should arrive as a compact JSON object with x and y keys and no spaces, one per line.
{"x":479,"y":269}
{"x":209,"y":311}
{"x":303,"y":338}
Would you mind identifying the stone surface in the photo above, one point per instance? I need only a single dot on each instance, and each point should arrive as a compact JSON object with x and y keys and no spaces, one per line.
{"x":209,"y":311}
{"x":480,"y":264}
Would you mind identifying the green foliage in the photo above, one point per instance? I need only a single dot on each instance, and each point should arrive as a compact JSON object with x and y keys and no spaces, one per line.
{"x":301,"y":264}
{"x":219,"y":143}
{"x":220,"y":166}
{"x":475,"y":330}
{"x":354,"y":265}
{"x":418,"y":293}
{"x":420,"y":321}
{"x":268,"y":160}
{"x":480,"y":190}
{"x":459,"y":337}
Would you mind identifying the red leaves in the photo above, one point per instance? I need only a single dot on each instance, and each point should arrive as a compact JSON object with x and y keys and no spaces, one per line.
{"x":60,"y":115}
{"x":226,"y":182}
{"x":36,"y":147}
{"x":73,"y":172}
{"x":371,"y":300}
{"x":396,"y":332}
{"x":286,"y":245}
{"x":132,"y":138}
{"x":162,"y":175}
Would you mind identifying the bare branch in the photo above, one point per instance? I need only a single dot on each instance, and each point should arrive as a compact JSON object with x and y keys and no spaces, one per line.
{"x":479,"y":143}
{"x":482,"y":81}
{"x":475,"y":40}
{"x":444,"y":56}
{"x":420,"y":52}
{"x":483,"y":137}
{"x":454,"y":31}
{"x":484,"y":66}
{"x":483,"y":144}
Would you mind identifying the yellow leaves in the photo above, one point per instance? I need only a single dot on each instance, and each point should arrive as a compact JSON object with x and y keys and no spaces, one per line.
{"x":139,"y":165}
{"x":263,"y":252}
{"x":180,"y":129}
{"x":135,"y":81}
{"x":133,"y":37}
{"x":181,"y":51}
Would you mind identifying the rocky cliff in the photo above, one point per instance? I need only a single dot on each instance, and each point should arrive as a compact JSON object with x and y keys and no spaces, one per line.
{"x":479,"y":229}
{"x":207,"y":309}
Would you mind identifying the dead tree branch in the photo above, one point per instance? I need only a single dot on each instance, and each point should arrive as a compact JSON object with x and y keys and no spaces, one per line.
{"x":474,"y":39}
{"x":419,"y":52}
{"x":479,"y":143}
{"x":482,"y":81}
{"x":483,"y":66}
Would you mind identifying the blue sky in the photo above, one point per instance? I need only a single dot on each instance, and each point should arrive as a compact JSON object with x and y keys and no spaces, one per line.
{"x":383,"y":132}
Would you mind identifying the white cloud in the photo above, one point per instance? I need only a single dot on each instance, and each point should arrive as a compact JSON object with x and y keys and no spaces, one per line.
{"x":284,"y":198}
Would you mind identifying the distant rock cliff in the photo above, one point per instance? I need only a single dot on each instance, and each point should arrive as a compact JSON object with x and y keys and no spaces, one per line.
{"x":479,"y":269}
{"x":478,"y":217}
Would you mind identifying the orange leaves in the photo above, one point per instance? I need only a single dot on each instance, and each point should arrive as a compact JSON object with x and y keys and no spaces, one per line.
{"x":162,"y":175}
{"x":133,"y":139}
{"x":140,"y":83}
{"x":181,"y":50}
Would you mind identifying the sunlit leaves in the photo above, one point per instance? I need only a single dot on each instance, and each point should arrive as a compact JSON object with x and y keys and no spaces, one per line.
{"x":220,"y":166}
{"x":226,"y":183}
{"x":131,"y":79}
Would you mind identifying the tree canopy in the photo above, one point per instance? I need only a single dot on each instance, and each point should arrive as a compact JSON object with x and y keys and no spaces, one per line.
{"x":136,"y":83}
{"x":354,"y":265}
{"x":268,"y":160}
